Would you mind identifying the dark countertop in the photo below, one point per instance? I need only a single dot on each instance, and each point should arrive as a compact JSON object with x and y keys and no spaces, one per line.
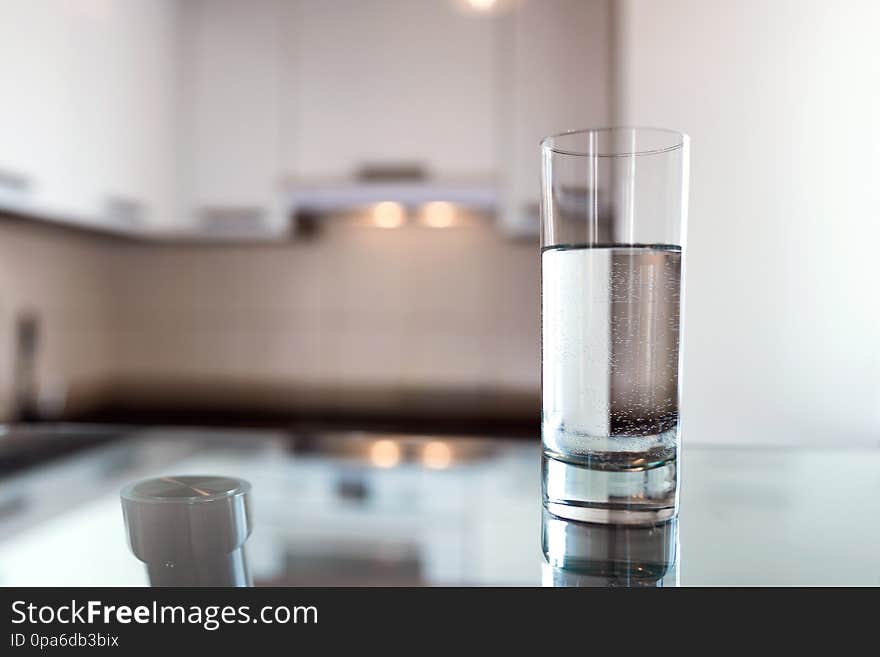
{"x":258,"y":403}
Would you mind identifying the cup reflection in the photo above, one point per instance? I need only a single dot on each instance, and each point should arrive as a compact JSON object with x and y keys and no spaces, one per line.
{"x":585,"y":554}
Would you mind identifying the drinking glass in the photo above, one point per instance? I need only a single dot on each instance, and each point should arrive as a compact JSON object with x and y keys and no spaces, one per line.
{"x":613,"y":221}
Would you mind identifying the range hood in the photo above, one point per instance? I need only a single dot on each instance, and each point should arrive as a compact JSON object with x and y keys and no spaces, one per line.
{"x":332,"y":198}
{"x":408,"y":185}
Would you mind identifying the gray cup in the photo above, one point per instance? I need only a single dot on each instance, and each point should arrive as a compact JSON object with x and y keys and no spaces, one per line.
{"x":190,"y":530}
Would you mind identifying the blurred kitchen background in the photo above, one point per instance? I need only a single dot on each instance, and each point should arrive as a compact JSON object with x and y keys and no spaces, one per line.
{"x":277,"y":212}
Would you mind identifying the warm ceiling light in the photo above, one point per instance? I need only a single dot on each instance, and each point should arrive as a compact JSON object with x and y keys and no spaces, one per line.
{"x":388,"y":214}
{"x":437,"y":455}
{"x":438,"y":214}
{"x":482,"y":5}
{"x":385,"y":453}
{"x":485,"y":7}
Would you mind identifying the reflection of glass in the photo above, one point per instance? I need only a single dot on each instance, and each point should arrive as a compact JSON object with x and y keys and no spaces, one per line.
{"x":613,"y":227}
{"x":585,"y":554}
{"x":190,"y":531}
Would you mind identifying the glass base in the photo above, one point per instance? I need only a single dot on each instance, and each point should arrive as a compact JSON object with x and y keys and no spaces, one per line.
{"x":620,"y":489}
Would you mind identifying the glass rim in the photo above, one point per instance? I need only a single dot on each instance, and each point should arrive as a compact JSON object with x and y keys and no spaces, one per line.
{"x":678,"y":140}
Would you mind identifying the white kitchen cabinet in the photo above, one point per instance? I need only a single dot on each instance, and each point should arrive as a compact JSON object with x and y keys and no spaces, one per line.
{"x":555,"y":77}
{"x":86,"y":124}
{"x":202,"y":115}
{"x":386,"y":82}
{"x":33,"y":116}
{"x":229,"y":69}
{"x":132,"y":130}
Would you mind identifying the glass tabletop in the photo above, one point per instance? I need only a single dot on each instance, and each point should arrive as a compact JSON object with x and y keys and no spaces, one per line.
{"x":357,"y":508}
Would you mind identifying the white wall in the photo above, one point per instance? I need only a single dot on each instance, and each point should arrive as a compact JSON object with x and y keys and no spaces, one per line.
{"x":781,"y":99}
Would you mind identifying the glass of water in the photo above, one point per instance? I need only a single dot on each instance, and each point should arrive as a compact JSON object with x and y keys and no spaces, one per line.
{"x":613,"y":223}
